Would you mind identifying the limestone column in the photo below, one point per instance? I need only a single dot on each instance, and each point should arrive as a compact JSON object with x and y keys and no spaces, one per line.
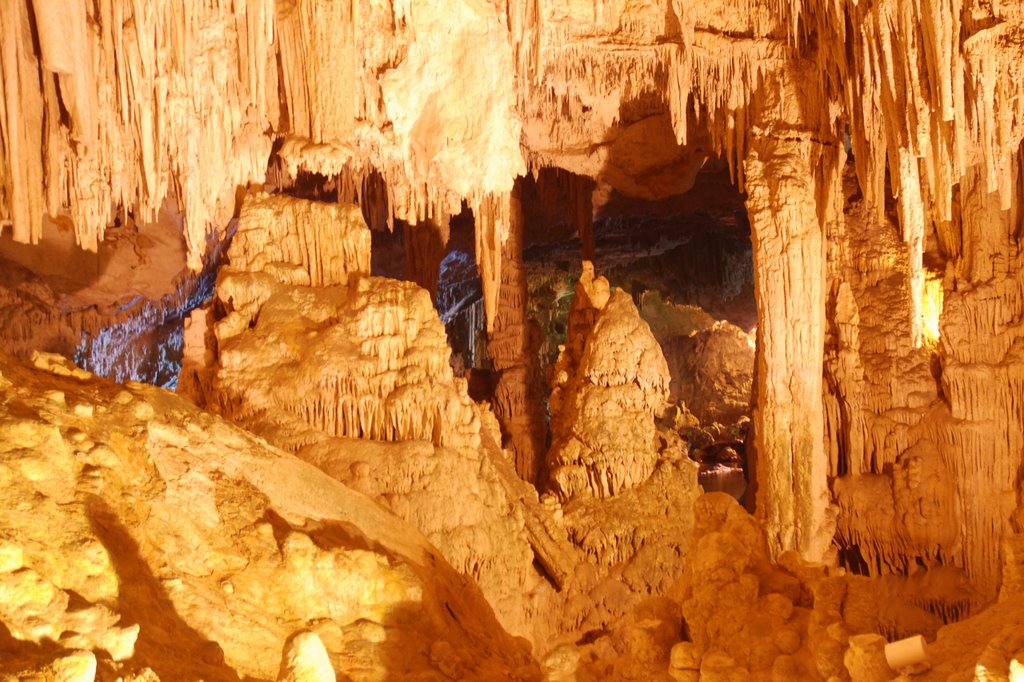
{"x":581,"y":208}
{"x":513,"y":350}
{"x":789,"y":263}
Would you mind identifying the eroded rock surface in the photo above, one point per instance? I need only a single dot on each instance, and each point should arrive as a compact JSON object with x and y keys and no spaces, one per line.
{"x":355,"y":379}
{"x":865,"y":418}
{"x":746,"y":617}
{"x":161,"y":542}
{"x":352,"y":374}
{"x":608,"y":384}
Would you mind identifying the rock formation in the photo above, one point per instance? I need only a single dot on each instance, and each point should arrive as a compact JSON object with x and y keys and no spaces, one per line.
{"x":512,"y":349}
{"x":750,"y":618}
{"x":146,"y":539}
{"x":354,"y":379}
{"x":118,"y":312}
{"x":608,"y":384}
{"x":351,"y":372}
{"x":877,"y":146}
{"x":308,"y":243}
{"x":711,"y":361}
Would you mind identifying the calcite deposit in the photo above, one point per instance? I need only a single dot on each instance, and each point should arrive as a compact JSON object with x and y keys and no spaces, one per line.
{"x":353,"y":377}
{"x":609,"y":384}
{"x":351,"y":372}
{"x":145,"y":539}
{"x":846,"y":174}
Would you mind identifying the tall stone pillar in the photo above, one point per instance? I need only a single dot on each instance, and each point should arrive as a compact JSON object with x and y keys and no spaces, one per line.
{"x":513,"y":350}
{"x":785,"y":205}
{"x":581,"y":214}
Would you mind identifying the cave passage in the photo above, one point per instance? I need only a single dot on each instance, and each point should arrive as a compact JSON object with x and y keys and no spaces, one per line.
{"x":685,"y":261}
{"x":119,"y":312}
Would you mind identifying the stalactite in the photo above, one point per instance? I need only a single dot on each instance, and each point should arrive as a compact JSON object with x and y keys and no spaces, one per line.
{"x":492,"y":216}
{"x":158,"y":71}
{"x":318,"y":64}
{"x":372,"y":197}
{"x":21,"y":123}
{"x":581,"y":207}
{"x":162,"y":68}
{"x":930,"y":91}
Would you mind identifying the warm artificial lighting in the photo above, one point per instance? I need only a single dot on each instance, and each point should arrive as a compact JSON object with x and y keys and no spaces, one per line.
{"x":453,"y":294}
{"x":931,"y":309}
{"x":981,"y":672}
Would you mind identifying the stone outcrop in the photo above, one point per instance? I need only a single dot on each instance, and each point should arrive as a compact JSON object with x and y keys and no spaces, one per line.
{"x":146,"y":539}
{"x":609,"y":383}
{"x":306,"y":660}
{"x":351,"y":372}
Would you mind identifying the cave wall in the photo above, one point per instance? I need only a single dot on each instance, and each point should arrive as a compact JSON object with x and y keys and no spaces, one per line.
{"x":417,"y":107}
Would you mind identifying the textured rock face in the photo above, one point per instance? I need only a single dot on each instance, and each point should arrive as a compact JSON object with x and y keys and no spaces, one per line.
{"x":123,"y":83}
{"x":308,"y":243}
{"x":414,"y":108}
{"x":307,"y":333}
{"x":119,"y":312}
{"x":608,"y":384}
{"x":512,"y":348}
{"x":351,"y":373}
{"x":354,"y":378}
{"x":890,"y":428}
{"x":712,"y":372}
{"x":751,"y":618}
{"x":169,"y":544}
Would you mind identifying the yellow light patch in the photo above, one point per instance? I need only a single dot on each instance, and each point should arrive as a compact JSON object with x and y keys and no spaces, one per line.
{"x":931,"y":309}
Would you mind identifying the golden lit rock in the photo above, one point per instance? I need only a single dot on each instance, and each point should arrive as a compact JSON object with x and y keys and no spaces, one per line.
{"x":178,"y":542}
{"x":305,"y":660}
{"x":231,"y":163}
{"x":610,"y":381}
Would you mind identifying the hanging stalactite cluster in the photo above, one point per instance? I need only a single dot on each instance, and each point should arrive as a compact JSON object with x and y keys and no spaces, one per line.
{"x":416,"y":108}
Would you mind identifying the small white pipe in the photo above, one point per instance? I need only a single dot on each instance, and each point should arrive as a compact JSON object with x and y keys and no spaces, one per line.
{"x":906,"y":652}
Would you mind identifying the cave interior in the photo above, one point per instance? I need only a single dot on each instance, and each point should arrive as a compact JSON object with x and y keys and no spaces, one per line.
{"x":509,"y":340}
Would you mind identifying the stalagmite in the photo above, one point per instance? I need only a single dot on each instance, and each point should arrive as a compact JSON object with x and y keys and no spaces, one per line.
{"x":609,"y":383}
